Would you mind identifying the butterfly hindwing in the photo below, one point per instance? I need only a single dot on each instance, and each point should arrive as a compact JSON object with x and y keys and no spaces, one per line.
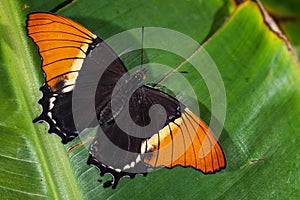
{"x":177,"y":137}
{"x":184,"y":140}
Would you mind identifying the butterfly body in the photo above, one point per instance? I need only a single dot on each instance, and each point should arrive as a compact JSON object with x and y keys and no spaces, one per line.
{"x":126,"y":86}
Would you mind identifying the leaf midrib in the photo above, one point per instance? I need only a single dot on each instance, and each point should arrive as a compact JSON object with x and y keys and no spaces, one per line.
{"x":57,"y":186}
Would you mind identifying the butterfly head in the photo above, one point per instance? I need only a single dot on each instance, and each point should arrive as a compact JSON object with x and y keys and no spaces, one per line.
{"x":140,"y":74}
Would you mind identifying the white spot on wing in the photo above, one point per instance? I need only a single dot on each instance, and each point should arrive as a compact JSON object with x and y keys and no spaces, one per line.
{"x":138,"y":159}
{"x":50,"y":115}
{"x":132,"y":164}
{"x":68,"y":88}
{"x":126,"y":167}
{"x":143,"y":146}
{"x":118,"y":170}
{"x":51,"y":102}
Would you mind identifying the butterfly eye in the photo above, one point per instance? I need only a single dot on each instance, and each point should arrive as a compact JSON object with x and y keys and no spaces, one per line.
{"x":139,"y":76}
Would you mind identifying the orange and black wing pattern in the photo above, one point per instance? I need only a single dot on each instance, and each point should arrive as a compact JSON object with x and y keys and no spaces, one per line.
{"x":187,"y":142}
{"x":63,"y":45}
{"x":177,"y":138}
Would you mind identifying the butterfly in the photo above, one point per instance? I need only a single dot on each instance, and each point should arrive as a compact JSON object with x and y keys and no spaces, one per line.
{"x":125,"y":144}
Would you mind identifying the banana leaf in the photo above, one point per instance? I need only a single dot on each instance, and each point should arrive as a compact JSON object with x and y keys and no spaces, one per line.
{"x":259,"y":72}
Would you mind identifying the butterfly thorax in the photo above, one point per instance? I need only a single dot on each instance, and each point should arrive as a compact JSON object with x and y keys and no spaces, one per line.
{"x":125,"y":87}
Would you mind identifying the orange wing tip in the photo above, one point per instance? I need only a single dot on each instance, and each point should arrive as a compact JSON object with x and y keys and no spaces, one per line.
{"x":48,"y":19}
{"x":186,"y":142}
{"x":63,"y":45}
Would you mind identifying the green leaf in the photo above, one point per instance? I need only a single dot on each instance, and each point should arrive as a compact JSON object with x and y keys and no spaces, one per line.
{"x":286,"y":8}
{"x":30,"y":167}
{"x":292,"y":30}
{"x":287,"y":16}
{"x":261,"y":79}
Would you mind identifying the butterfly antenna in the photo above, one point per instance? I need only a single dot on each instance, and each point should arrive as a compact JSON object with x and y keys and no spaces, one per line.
{"x":142,"y":49}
